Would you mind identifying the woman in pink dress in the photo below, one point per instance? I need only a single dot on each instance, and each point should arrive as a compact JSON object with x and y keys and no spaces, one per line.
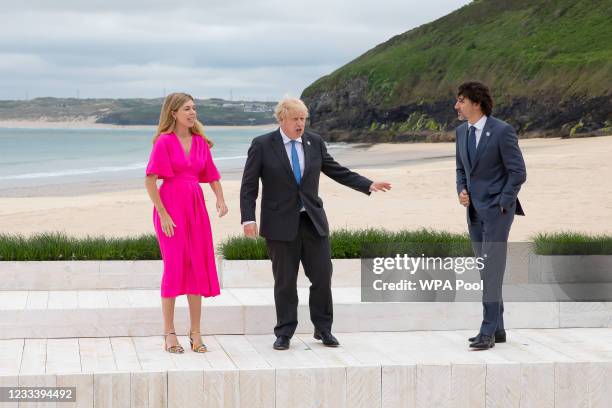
{"x":181,"y":158}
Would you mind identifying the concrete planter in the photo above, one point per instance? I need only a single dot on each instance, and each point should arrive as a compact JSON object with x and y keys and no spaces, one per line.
{"x":92,"y":275}
{"x":570,"y":268}
{"x":258,"y":273}
{"x":80,"y":275}
{"x":523,"y":267}
{"x":347,"y":272}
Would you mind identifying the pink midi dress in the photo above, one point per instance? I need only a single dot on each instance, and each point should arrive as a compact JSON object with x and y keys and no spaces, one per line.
{"x":188,"y":256}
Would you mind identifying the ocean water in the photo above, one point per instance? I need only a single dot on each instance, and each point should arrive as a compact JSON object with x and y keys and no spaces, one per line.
{"x":34,"y":157}
{"x":37,"y":157}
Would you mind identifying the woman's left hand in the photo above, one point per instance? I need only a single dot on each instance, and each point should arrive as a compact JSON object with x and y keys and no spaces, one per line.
{"x":221,"y":208}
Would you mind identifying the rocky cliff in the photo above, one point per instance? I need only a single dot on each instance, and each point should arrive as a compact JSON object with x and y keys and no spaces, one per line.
{"x":548,"y":63}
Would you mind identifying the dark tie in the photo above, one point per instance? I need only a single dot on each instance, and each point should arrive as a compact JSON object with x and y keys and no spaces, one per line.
{"x":295,"y":163}
{"x":472,"y":144}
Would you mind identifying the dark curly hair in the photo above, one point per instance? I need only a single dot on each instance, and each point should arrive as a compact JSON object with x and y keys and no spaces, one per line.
{"x":477,"y":92}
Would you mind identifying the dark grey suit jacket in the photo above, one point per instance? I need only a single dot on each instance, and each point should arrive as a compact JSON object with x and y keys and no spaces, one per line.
{"x":498,"y":171}
{"x":280,"y":213}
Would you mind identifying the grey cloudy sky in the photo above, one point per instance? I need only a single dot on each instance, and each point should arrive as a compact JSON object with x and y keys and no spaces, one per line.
{"x":139,"y":48}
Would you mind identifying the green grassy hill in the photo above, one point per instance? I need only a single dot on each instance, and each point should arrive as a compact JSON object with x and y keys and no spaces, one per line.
{"x":548,"y":63}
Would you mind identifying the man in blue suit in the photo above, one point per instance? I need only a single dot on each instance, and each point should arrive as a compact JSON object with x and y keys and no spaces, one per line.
{"x":490,"y":172}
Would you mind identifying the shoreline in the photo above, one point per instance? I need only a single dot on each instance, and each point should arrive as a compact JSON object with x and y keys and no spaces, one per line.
{"x":91,"y":124}
{"x":361,"y":157}
{"x":358,"y":156}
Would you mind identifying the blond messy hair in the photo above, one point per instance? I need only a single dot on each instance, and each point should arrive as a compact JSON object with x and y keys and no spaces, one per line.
{"x":173,"y":103}
{"x":287,"y":105}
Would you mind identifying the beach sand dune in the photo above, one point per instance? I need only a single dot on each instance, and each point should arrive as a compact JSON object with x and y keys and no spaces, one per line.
{"x":568,"y":188}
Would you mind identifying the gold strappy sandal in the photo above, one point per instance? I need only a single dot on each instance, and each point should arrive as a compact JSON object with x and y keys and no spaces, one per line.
{"x":197,"y":349}
{"x":176,"y":349}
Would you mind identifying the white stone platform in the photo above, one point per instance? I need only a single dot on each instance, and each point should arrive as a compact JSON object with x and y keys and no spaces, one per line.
{"x":133,"y":312}
{"x":96,"y":326}
{"x":536,"y":368}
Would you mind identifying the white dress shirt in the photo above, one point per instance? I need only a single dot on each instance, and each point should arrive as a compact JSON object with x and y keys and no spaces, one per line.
{"x":298,"y":146}
{"x":479,"y":126}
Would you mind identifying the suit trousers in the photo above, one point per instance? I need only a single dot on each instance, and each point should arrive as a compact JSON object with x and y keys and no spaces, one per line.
{"x":314,"y":252}
{"x":489,"y":236}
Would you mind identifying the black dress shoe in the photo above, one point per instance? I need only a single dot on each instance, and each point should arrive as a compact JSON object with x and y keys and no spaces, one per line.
{"x":500,"y":337}
{"x":483,"y":342}
{"x":327,"y":338}
{"x":281,"y":343}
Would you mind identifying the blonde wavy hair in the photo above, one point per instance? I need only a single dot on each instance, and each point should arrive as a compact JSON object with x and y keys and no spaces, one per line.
{"x":173,"y":103}
{"x":288,"y":105}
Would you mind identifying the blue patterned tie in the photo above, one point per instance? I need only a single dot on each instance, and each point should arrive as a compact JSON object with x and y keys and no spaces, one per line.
{"x":472,"y":144}
{"x":295,"y":163}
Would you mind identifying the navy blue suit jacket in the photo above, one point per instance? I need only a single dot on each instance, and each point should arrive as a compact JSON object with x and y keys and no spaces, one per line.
{"x":496,"y":174}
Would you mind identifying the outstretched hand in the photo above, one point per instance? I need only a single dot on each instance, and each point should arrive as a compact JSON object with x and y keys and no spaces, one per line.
{"x":380,"y":186}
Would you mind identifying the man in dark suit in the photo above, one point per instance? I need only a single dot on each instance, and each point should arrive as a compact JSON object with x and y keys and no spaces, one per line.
{"x":490,"y":172}
{"x":289,"y":162}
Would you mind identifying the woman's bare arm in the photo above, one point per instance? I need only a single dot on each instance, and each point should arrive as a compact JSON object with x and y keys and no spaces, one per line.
{"x":215,"y":186}
{"x":166,"y":221}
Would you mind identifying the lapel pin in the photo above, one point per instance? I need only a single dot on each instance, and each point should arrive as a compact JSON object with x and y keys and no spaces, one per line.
{"x":488,"y":133}
{"x":308,"y":142}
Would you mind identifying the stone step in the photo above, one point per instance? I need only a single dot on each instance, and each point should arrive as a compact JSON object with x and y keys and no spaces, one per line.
{"x":535,"y":368}
{"x":132,"y":312}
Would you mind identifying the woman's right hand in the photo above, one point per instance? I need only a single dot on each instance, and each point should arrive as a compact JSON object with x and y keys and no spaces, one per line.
{"x":167,"y":224}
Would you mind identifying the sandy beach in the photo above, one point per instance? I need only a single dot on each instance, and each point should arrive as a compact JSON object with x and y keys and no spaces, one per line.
{"x":568,"y":188}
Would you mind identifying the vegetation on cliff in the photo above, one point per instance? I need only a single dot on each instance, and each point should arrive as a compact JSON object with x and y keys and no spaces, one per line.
{"x":548,"y":63}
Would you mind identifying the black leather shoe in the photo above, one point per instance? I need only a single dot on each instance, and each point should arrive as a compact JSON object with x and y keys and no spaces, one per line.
{"x":327,"y":338}
{"x":281,"y":343}
{"x":500,"y":337}
{"x":483,"y":342}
